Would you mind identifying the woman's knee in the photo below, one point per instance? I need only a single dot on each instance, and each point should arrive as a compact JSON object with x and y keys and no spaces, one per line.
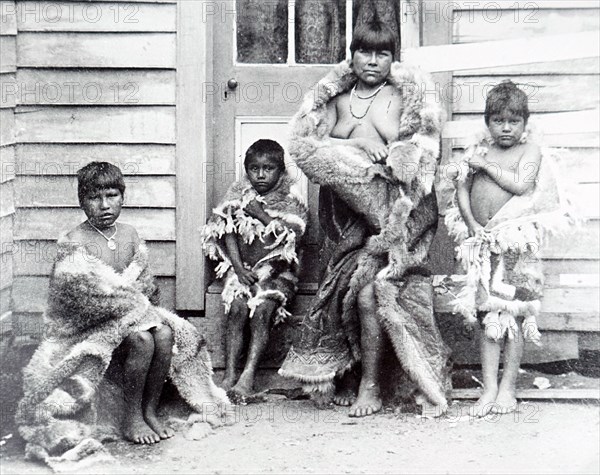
{"x":366,"y":298}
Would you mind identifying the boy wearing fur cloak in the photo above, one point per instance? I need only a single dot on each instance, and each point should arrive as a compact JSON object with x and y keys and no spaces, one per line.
{"x":506,"y":199}
{"x":369,"y":135}
{"x":102,"y":310}
{"x":254,"y":234}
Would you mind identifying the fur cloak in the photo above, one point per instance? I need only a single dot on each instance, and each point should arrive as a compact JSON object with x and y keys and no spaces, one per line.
{"x":379,"y":221}
{"x":276,"y":264}
{"x":504,"y":276}
{"x":91,"y":310}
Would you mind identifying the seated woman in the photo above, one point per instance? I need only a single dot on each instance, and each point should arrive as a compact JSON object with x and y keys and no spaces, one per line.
{"x":369,"y":135}
{"x":102,"y":298}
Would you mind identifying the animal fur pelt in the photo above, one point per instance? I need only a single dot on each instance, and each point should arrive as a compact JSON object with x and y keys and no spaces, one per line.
{"x":379,"y":220}
{"x":504,"y":276}
{"x":91,"y":310}
{"x":275,"y":264}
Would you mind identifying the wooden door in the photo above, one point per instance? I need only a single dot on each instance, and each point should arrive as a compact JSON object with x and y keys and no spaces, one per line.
{"x":267,"y":56}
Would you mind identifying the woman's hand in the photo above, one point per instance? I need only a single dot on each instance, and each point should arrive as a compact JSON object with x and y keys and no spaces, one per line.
{"x":246,"y":276}
{"x":375,"y":150}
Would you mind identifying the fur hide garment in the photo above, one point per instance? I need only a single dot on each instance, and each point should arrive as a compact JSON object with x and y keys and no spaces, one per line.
{"x":91,"y":310}
{"x":275,"y":264}
{"x":379,"y":221}
{"x":504,"y":276}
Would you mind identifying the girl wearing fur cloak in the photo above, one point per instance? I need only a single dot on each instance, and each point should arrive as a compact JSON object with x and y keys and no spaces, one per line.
{"x":369,"y":135}
{"x":506,"y":199}
{"x":254,"y":234}
{"x":102,"y":316}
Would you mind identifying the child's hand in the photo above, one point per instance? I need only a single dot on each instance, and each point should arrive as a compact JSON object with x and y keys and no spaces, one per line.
{"x":475,"y":229}
{"x":477,"y":162}
{"x":255,"y":209}
{"x":246,"y":276}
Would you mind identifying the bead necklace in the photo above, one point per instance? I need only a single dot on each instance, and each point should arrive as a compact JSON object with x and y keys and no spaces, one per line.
{"x":370,"y":96}
{"x":110,"y":241}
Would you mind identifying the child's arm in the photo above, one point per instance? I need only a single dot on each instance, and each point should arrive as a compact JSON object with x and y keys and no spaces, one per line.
{"x":246,"y":276}
{"x":463,"y":192}
{"x":518,"y":180}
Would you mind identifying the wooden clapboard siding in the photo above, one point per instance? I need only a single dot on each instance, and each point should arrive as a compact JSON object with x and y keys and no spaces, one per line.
{"x":96,"y":16}
{"x":547,"y":93}
{"x":492,"y":24}
{"x":48,"y":223}
{"x":8,"y":62}
{"x":8,"y":54}
{"x":95,"y":81}
{"x":66,"y":159}
{"x":61,"y":191}
{"x":8,"y":88}
{"x":95,"y":87}
{"x":95,"y":124}
{"x":30,"y":293}
{"x":97,"y":50}
{"x":35,"y":257}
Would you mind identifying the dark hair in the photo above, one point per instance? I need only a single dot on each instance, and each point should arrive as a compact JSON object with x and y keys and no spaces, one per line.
{"x":506,"y":96}
{"x":266,"y":147}
{"x":373,"y":35}
{"x":98,"y":176}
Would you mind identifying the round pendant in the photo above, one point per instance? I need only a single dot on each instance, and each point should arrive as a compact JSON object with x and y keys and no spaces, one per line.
{"x":111,"y":245}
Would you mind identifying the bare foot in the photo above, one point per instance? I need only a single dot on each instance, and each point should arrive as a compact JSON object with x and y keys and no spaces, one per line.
{"x":227,"y":383}
{"x":137,"y":431}
{"x":163,"y":431}
{"x":484,"y":404}
{"x":368,"y":401}
{"x":345,"y":397}
{"x":505,"y":403}
{"x":240,"y":393}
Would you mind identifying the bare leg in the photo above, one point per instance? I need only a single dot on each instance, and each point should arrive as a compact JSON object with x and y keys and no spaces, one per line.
{"x":490,"y":359}
{"x":159,"y":369}
{"x":513,"y":351}
{"x":140,"y":349}
{"x":260,"y":325}
{"x":371,"y":341}
{"x":236,"y":321}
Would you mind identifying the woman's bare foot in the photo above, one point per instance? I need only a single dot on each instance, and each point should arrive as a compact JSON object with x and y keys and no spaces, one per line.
{"x":505,"y":403}
{"x":368,"y":401}
{"x":164,"y":432}
{"x":239,"y":393}
{"x":137,"y":431}
{"x":345,"y":397}
{"x":484,"y":404}
{"x":227,"y":383}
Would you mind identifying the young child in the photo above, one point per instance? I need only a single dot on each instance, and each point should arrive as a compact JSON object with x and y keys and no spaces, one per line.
{"x":101,"y":304}
{"x":506,"y":197}
{"x":254,"y":233}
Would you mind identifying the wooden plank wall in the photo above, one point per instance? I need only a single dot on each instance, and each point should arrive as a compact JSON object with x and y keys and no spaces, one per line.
{"x":8,"y":32}
{"x":94,"y":81}
{"x":565,"y":86}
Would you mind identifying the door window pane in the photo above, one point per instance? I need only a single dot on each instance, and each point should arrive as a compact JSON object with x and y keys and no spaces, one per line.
{"x":320,"y":31}
{"x":262,"y":30}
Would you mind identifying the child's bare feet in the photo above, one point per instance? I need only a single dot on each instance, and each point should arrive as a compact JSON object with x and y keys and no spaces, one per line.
{"x":368,"y":401}
{"x":505,"y":403}
{"x":484,"y":404}
{"x":345,"y":397}
{"x":137,"y":431}
{"x":163,"y":431}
